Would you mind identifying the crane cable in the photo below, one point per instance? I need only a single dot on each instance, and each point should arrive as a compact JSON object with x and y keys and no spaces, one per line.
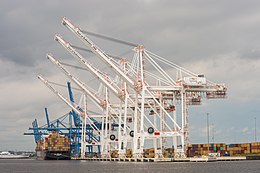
{"x":87,"y":50}
{"x":110,"y":38}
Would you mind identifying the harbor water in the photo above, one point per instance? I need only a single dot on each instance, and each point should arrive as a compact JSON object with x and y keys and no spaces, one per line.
{"x":63,"y":166}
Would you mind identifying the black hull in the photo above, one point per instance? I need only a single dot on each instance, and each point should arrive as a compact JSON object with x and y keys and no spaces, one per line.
{"x":53,"y":155}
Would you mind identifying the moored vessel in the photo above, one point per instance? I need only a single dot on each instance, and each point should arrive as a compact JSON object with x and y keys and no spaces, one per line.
{"x":7,"y":155}
{"x":53,"y":147}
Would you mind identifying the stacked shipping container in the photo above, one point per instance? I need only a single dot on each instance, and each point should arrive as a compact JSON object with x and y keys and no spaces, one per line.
{"x":255,"y":147}
{"x":223,"y":149}
{"x":148,"y":153}
{"x":168,"y":153}
{"x":55,"y":142}
{"x":205,"y":149}
{"x":238,"y":149}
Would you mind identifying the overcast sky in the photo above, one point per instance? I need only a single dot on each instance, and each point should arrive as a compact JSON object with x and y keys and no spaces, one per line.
{"x":217,"y":38}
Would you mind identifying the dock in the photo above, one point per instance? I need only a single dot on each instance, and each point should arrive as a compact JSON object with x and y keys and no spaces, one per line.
{"x":193,"y":159}
{"x":231,"y":158}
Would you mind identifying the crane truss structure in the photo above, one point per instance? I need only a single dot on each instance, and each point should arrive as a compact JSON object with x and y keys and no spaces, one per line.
{"x":145,"y":105}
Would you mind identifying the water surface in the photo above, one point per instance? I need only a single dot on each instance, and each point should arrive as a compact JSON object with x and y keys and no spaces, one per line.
{"x":46,"y":166}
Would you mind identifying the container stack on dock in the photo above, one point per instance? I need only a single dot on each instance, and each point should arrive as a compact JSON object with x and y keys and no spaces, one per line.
{"x":54,"y":147}
{"x":114,"y":154}
{"x":151,"y":153}
{"x":246,"y":148}
{"x":148,"y":153}
{"x":255,"y":147}
{"x":168,"y":153}
{"x":221,"y":149}
{"x":239,"y":149}
{"x":129,"y":153}
{"x":205,"y":149}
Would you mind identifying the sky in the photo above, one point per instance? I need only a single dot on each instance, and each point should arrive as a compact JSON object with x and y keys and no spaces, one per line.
{"x":217,"y":38}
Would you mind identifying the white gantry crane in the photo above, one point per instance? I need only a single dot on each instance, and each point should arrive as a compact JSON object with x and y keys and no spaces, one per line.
{"x":145,"y":99}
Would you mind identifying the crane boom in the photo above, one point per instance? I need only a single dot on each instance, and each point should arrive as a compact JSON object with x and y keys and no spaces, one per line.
{"x":67,"y":102}
{"x":75,"y":80}
{"x":59,"y":95}
{"x":93,"y":97}
{"x":76,"y":30}
{"x":92,"y":69}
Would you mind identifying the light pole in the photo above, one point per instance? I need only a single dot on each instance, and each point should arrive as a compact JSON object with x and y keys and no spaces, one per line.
{"x":255,"y":129}
{"x":208,"y":129}
{"x":213,"y":135}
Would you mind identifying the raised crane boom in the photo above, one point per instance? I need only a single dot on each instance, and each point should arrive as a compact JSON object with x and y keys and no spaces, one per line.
{"x":93,"y":97}
{"x":76,"y":30}
{"x":93,"y":70}
{"x":68,"y":103}
{"x":75,"y":80}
